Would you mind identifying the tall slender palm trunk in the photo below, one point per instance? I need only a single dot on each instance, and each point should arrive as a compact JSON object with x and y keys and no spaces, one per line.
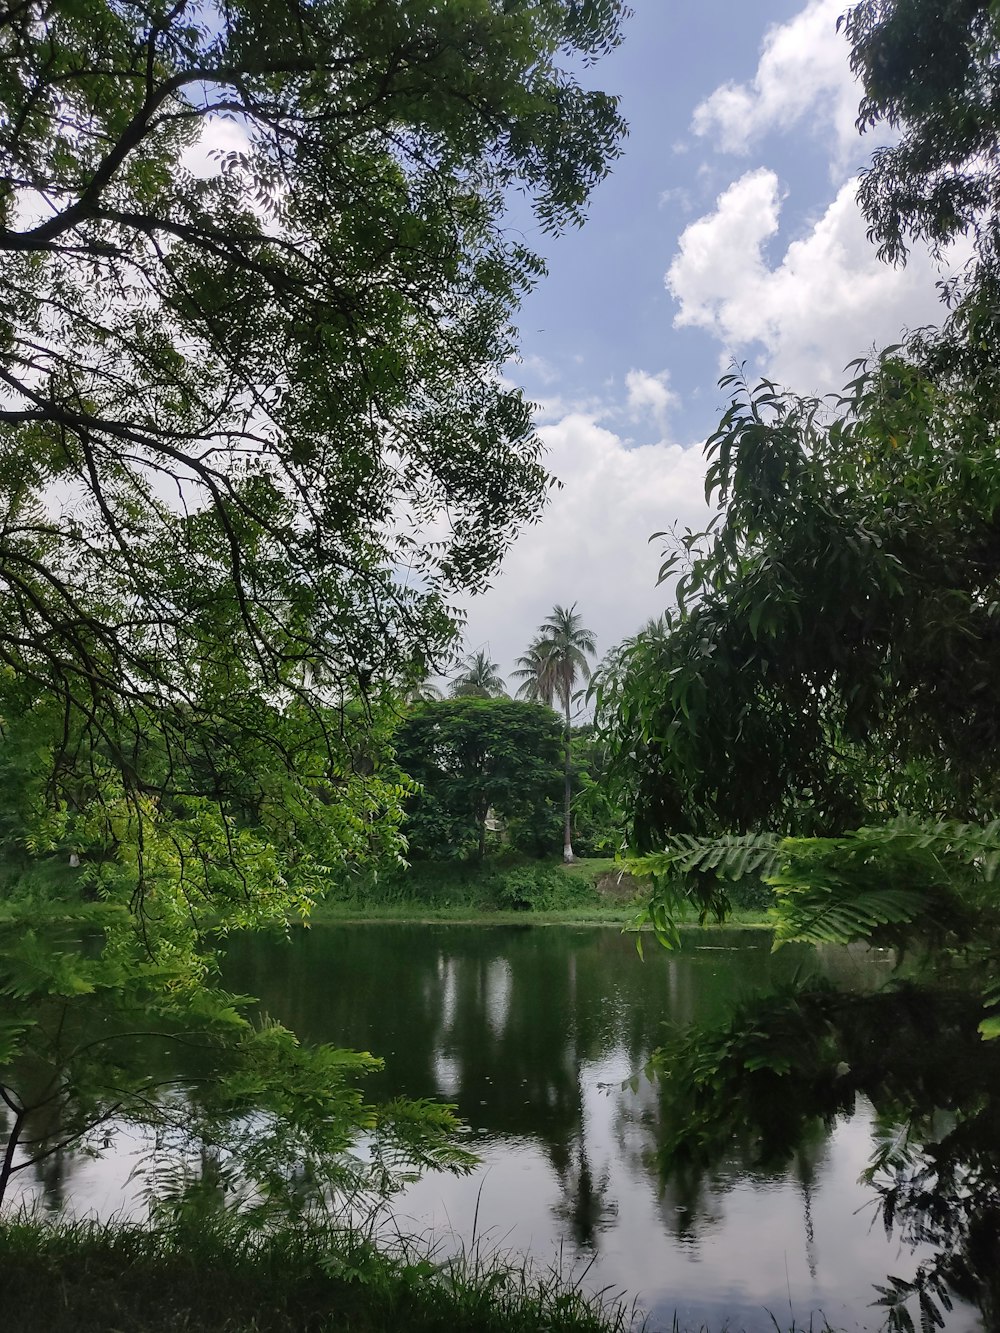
{"x":568,"y":856}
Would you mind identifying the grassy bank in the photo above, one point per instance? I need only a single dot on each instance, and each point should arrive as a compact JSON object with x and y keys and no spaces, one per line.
{"x":602,"y":914}
{"x":222,"y":1277}
{"x":589,"y":892}
{"x":88,"y":1277}
{"x":592,"y":891}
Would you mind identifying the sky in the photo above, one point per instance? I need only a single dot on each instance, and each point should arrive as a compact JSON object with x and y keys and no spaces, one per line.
{"x":727,"y":232}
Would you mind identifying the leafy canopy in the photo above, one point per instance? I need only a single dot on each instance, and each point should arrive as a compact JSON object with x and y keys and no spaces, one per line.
{"x":237,"y":396}
{"x":470,"y":756}
{"x":837,"y":630}
{"x":255,"y":291}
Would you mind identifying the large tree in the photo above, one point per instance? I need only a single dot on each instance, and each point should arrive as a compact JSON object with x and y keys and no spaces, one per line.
{"x":555,"y":663}
{"x":830,"y":671}
{"x":470,"y":756}
{"x":830,"y":657}
{"x":256,"y":288}
{"x":256,"y":291}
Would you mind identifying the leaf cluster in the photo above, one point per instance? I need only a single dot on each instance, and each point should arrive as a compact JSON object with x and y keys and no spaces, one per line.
{"x":256,"y":289}
{"x":470,"y":756}
{"x":836,"y":634}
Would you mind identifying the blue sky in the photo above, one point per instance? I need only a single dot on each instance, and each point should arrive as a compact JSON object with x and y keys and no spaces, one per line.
{"x":727,"y":230}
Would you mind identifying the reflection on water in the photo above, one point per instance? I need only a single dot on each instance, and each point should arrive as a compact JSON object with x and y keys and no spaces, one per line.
{"x":530,"y":1031}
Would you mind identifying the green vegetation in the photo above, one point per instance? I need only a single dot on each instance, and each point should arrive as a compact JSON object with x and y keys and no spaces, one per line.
{"x":235,"y":382}
{"x":820,"y":710}
{"x":488,"y":890}
{"x":555,"y":661}
{"x":473,"y":758}
{"x":243,"y":380}
{"x":222,"y":1277}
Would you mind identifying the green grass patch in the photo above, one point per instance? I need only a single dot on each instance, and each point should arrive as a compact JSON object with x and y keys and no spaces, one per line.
{"x":489,"y":886}
{"x":223,"y":1276}
{"x":590,"y":868}
{"x":589,"y":891}
{"x":597,"y":914}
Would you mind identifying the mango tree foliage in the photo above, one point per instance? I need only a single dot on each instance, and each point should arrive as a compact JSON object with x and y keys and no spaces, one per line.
{"x":837,"y":629}
{"x":819,"y":712}
{"x":929,"y":71}
{"x":830,"y":671}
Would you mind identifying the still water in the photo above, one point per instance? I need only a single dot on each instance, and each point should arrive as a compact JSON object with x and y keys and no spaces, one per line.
{"x":531,"y":1032}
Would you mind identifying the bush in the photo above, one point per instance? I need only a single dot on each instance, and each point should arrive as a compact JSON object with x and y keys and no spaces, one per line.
{"x":481,"y":887}
{"x":538,"y":889}
{"x":751,"y":894}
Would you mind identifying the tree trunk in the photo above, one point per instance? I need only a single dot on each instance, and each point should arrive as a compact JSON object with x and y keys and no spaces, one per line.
{"x":568,"y":856}
{"x":7,"y":1168}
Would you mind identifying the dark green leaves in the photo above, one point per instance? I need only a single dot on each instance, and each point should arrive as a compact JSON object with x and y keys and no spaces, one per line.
{"x":471,"y":756}
{"x":838,"y":610}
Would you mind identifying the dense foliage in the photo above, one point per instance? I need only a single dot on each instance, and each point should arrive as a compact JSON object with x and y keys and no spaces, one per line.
{"x":473,"y":757}
{"x":256,"y":288}
{"x":837,"y":630}
{"x":821,"y":709}
{"x":256,"y":291}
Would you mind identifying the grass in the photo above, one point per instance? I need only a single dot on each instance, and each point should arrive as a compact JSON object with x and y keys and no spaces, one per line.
{"x":600,"y":914}
{"x":220,"y":1277}
{"x":46,"y":892}
{"x":223,"y":1276}
{"x":539,"y":893}
{"x":590,"y":868}
{"x":593,"y":914}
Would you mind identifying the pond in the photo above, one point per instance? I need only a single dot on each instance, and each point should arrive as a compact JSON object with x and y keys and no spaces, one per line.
{"x":531,"y":1032}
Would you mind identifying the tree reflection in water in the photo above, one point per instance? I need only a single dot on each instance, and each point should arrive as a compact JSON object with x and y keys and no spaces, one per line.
{"x":785,"y":1067}
{"x":520,"y":1027}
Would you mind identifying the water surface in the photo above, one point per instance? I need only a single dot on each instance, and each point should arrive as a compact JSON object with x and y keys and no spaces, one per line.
{"x":531,"y":1031}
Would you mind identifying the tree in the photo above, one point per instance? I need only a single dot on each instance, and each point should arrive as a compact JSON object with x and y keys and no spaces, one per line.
{"x":930,"y":73}
{"x":478,"y":678}
{"x":255,"y":292}
{"x":534,"y":669}
{"x":830,"y":658}
{"x":470,"y":756}
{"x":551,"y":668}
{"x":222,"y":386}
{"x":821,"y":709}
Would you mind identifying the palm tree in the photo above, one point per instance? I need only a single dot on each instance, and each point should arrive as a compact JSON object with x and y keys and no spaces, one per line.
{"x":535,"y":671}
{"x":478,"y":678}
{"x":420,"y":692}
{"x":555,"y":661}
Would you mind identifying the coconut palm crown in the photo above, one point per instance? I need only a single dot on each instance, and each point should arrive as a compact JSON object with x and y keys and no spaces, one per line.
{"x":478,"y":678}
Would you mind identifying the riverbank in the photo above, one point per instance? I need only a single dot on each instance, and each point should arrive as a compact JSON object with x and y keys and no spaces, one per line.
{"x":333,"y":913}
{"x":597,"y":891}
{"x":222,"y":1277}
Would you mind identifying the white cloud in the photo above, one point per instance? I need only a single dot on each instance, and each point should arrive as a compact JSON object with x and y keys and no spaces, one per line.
{"x":826,"y":300}
{"x":218,"y":135}
{"x":803,"y":70}
{"x":538,"y":367}
{"x":650,"y":395}
{"x":592,"y":545}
